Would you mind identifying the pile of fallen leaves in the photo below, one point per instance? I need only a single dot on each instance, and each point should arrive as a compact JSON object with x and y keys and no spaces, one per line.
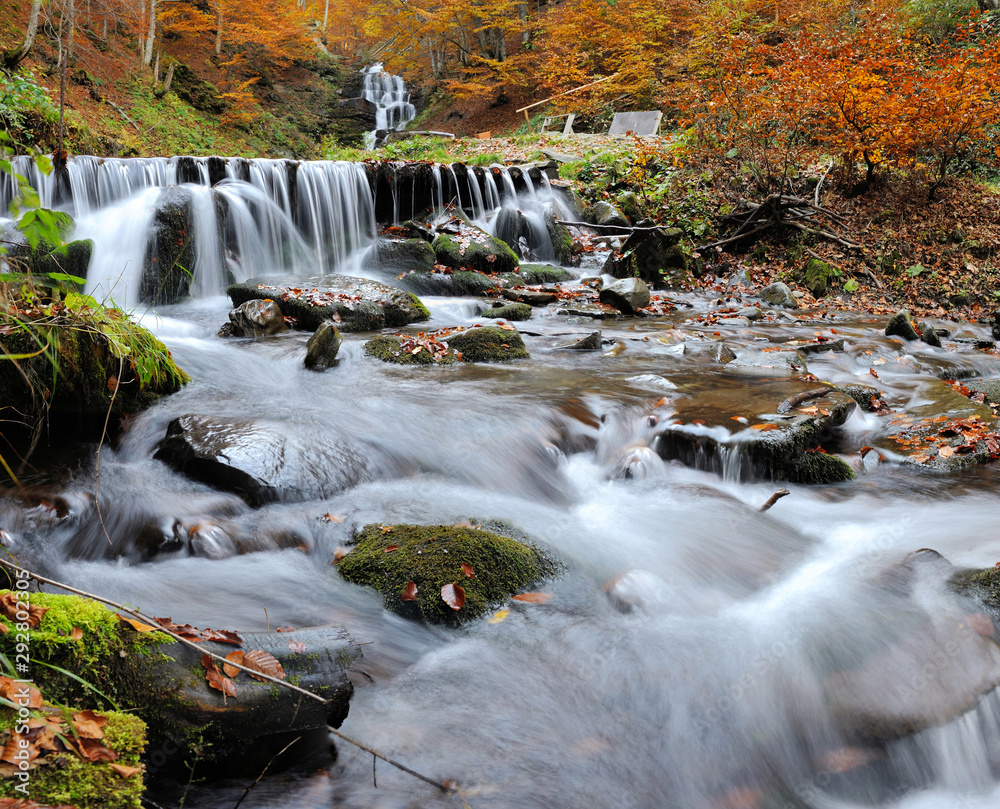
{"x":50,"y":732}
{"x":924,"y":440}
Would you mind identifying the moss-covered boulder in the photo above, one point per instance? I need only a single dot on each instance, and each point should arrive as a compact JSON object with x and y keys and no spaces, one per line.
{"x":489,"y":344}
{"x":390,"y":348}
{"x":403,"y":255}
{"x":431,"y":557}
{"x":353,"y":304}
{"x":168,"y":265}
{"x":536,"y":274}
{"x":510,"y":311}
{"x":561,"y":238}
{"x":477,"y":251}
{"x":817,"y":276}
{"x":75,"y":367}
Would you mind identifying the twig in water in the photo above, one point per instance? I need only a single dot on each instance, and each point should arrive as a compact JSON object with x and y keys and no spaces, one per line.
{"x":140,"y":616}
{"x":794,"y":401}
{"x":774,"y":498}
{"x":264,"y":771}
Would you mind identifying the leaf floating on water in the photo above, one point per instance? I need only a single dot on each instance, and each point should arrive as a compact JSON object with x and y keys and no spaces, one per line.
{"x":872,"y":372}
{"x":335,"y":518}
{"x":409,"y":592}
{"x":467,"y":571}
{"x":533,"y":598}
{"x":740,"y":419}
{"x":498,"y":616}
{"x":453,"y":595}
{"x":264,"y":662}
{"x":297,"y":646}
{"x":235,"y":657}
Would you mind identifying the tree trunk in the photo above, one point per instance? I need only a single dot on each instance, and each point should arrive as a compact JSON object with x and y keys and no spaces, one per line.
{"x":326,"y":16}
{"x":169,"y":80}
{"x":147,"y":58}
{"x":218,"y":34}
{"x":13,"y":57}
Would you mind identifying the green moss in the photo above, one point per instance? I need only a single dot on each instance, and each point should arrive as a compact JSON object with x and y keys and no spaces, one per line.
{"x":418,"y":305}
{"x":534,"y":274}
{"x":431,"y":556}
{"x":510,"y":311}
{"x":983,"y":585}
{"x":465,"y":282}
{"x":96,"y":657}
{"x":817,"y":467}
{"x":817,"y":275}
{"x":489,"y":344}
{"x":389,"y":348}
{"x":66,"y":779}
{"x":484,"y":253}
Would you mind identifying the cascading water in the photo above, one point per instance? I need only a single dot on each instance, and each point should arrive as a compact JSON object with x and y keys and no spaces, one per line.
{"x":388,"y":94}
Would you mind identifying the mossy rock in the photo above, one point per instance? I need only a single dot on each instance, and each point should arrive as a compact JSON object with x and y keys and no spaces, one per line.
{"x":510,"y":311}
{"x":389,"y":348}
{"x":535,"y":274}
{"x":485,"y":254}
{"x":466,"y":282}
{"x":68,"y":383}
{"x":561,"y":238}
{"x":431,"y":556}
{"x":489,"y":344}
{"x":982,"y":585}
{"x":816,"y":468}
{"x":200,"y":94}
{"x":817,"y":276}
{"x":64,"y":778}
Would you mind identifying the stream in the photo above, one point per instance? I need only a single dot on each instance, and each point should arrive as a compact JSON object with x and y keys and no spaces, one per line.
{"x":696,"y":653}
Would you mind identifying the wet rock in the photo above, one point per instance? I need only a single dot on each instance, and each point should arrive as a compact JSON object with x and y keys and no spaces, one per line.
{"x":928,"y":334}
{"x":322,"y":348}
{"x":431,"y":557}
{"x":170,"y":254}
{"x":585,"y":308}
{"x":778,"y":294}
{"x":990,"y":388}
{"x":257,"y":318}
{"x":782,"y":363}
{"x":627,"y":295}
{"x":512,"y":311}
{"x":995,"y":325}
{"x":407,"y":255}
{"x":604,"y":213}
{"x":488,"y":344}
{"x":763,"y":445}
{"x":479,"y":251}
{"x":637,"y":463}
{"x":389,"y":348}
{"x":562,"y":240}
{"x":353,"y":304}
{"x":530,"y":296}
{"x":900,"y":325}
{"x":261,"y":461}
{"x":751,"y":313}
{"x":821,"y":348}
{"x":863,"y":395}
{"x":817,"y":276}
{"x":592,"y":342}
{"x":512,"y":229}
{"x":655,"y":256}
{"x":713,"y":350}
{"x":537,"y":274}
{"x":637,"y":590}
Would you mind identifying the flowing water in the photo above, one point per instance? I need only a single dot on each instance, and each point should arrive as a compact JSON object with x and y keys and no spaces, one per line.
{"x":393,"y":110}
{"x":696,"y":653}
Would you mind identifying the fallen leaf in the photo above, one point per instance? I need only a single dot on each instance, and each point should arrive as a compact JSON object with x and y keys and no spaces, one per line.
{"x":337,"y":518}
{"x":297,"y":646}
{"x":285,"y":629}
{"x":10,"y":605}
{"x":76,"y":633}
{"x":112,"y":383}
{"x":89,"y":724}
{"x":468,"y":571}
{"x":872,"y":372}
{"x":339,"y":553}
{"x":409,"y":592}
{"x":137,"y":625}
{"x":391,"y":548}
{"x":235,"y":657}
{"x":220,"y":683}
{"x":740,"y":419}
{"x":764,"y":427}
{"x":126,"y":771}
{"x":93,"y":750}
{"x":264,"y":662}
{"x":946,"y":452}
{"x":453,"y":595}
{"x":498,"y":616}
{"x":533,"y":598}
{"x":386,"y":529}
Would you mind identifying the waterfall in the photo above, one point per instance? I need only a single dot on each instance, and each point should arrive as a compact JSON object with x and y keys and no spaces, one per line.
{"x":387,"y":92}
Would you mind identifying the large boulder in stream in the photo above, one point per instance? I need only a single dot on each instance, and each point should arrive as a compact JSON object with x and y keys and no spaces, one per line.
{"x":489,"y":344}
{"x":772,"y":429}
{"x":170,"y":250}
{"x":476,"y":250}
{"x":267,"y":461}
{"x":353,"y":304}
{"x":448,"y":574}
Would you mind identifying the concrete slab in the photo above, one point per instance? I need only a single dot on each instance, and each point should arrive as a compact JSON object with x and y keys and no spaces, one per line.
{"x":638,"y":123}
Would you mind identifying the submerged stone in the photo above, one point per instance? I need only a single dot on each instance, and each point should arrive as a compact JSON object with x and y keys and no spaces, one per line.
{"x":389,"y":558}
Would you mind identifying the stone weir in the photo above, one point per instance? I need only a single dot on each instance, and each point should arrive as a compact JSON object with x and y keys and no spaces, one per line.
{"x":164,"y":228}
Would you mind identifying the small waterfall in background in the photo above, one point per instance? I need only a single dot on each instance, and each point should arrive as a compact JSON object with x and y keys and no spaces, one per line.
{"x":246,"y":218}
{"x":387,"y":92}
